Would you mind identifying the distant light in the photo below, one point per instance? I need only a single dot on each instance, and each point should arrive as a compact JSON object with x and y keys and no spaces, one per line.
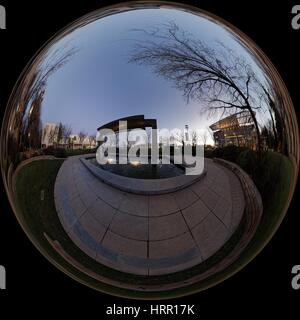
{"x":135,"y":163}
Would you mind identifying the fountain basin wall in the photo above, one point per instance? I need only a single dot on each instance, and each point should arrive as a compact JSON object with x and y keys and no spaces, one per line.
{"x":141,"y":186}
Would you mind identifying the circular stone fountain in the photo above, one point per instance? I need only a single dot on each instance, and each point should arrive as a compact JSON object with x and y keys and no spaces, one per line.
{"x":140,"y":185}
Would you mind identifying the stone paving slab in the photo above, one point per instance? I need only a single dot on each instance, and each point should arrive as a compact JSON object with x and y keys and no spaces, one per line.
{"x":121,"y":265}
{"x":129,"y":226}
{"x":185,"y":198}
{"x":160,"y":205}
{"x":124,"y":245}
{"x":223,"y":211}
{"x":199,"y":188}
{"x":135,"y":204}
{"x":175,"y":267}
{"x":92,"y":226}
{"x":210,"y":235}
{"x":195,"y":213}
{"x":83,"y":240}
{"x":172,"y":247}
{"x":102,"y":212}
{"x":166,"y":227}
{"x":108,"y":194}
{"x":78,"y":206}
{"x":88,"y":198}
{"x":210,"y":199}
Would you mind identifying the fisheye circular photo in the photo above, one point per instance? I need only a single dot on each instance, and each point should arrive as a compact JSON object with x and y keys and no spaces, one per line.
{"x":150,"y":150}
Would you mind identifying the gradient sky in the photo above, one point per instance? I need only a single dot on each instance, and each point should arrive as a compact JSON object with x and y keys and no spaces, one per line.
{"x":98,"y":84}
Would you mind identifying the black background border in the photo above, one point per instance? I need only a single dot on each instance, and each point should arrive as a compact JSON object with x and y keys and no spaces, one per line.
{"x":264,"y":285}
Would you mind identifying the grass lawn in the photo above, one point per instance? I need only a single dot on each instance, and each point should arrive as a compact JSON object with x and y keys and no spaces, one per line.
{"x":40,"y":216}
{"x":274,"y":183}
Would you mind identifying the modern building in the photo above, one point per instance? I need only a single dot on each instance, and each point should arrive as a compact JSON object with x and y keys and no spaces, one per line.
{"x":237,"y":129}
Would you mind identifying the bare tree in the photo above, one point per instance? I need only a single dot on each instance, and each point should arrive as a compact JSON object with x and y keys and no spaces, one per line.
{"x":268,"y":133}
{"x":60,"y":134}
{"x":92,"y":139}
{"x":52,"y":136}
{"x":66,"y":134}
{"x":223,"y":80}
{"x":33,"y":132}
{"x":30,"y":91}
{"x":82,"y":135}
{"x":204,"y":136}
{"x":194,"y":137}
{"x":276,"y":116}
{"x":34,"y":85}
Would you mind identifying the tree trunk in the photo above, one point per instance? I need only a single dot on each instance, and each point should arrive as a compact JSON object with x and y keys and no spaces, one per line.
{"x":256,"y":129}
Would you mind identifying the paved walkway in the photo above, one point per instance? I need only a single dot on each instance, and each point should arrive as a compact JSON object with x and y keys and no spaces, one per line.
{"x":148,"y":235}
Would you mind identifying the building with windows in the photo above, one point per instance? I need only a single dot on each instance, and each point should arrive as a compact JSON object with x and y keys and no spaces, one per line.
{"x":51,"y":137}
{"x":82,"y":142}
{"x":237,"y":129}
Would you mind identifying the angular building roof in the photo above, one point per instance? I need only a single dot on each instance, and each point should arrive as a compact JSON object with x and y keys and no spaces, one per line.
{"x":235,"y":120}
{"x":133,"y":122}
